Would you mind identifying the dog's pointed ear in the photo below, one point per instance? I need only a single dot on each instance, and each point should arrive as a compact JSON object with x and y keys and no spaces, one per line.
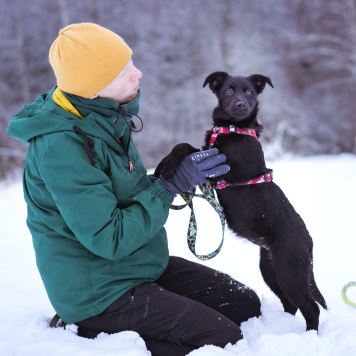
{"x":260,"y":81}
{"x":215,"y":81}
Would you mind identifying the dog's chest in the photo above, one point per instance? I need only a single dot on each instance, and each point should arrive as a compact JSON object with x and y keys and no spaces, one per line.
{"x":242,"y":152}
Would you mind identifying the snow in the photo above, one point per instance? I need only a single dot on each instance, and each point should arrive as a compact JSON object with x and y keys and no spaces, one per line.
{"x":323,"y":191}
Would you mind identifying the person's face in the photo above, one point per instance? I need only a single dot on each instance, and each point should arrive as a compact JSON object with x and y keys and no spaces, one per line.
{"x":125,"y":86}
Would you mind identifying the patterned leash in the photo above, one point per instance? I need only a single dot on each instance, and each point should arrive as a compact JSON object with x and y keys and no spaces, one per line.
{"x":344,"y":291}
{"x":209,"y":195}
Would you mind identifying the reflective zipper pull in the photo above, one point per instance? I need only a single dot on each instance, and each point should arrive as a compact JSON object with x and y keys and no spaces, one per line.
{"x":131,"y":166}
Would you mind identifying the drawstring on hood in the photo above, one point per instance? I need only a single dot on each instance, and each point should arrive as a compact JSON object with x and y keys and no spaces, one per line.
{"x":132,"y":128}
{"x":132,"y":125}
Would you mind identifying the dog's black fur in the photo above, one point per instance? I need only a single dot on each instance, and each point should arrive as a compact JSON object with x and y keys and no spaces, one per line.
{"x":261,"y":212}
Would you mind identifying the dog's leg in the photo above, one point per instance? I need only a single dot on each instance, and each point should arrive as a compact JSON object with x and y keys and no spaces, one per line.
{"x":293,"y":273}
{"x":269,"y":276}
{"x":168,"y":165}
{"x":318,"y":297}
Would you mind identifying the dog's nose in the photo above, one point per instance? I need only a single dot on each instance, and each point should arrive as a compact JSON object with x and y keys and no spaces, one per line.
{"x":241,"y":105}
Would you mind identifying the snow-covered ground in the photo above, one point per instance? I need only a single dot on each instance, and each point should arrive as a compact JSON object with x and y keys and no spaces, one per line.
{"x":323,"y":191}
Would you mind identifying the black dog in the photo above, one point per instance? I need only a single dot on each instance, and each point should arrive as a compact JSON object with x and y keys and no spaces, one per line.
{"x":259,"y":212}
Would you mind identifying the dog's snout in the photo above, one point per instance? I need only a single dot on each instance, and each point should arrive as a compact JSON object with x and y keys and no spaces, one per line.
{"x":241,"y":105}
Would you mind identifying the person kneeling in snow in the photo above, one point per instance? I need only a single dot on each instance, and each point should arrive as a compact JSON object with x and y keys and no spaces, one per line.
{"x":97,"y":218}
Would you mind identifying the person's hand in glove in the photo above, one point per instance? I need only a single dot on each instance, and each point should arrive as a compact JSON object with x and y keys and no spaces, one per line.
{"x":195,"y":169}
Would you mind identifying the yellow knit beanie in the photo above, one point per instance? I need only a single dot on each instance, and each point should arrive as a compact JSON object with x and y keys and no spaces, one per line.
{"x":86,"y":57}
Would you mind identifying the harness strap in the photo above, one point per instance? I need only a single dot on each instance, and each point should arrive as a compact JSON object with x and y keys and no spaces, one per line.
{"x":209,"y":195}
{"x":263,"y":178}
{"x":227,"y":130}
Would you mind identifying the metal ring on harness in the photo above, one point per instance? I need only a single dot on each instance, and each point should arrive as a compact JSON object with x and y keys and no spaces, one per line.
{"x":209,"y":195}
{"x":343,"y":294}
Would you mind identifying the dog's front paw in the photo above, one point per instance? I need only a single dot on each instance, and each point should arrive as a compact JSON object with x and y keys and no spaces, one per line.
{"x":170,"y":163}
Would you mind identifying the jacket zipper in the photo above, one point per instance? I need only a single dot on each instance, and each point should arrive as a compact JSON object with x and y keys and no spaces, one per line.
{"x":118,"y":141}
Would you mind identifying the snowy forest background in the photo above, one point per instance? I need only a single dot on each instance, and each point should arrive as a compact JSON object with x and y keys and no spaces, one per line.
{"x":307,"y":47}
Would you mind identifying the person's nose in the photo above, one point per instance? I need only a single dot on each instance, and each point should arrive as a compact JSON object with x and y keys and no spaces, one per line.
{"x":137,"y":74}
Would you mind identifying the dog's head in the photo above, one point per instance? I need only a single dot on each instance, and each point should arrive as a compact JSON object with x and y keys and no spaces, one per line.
{"x":237,"y":95}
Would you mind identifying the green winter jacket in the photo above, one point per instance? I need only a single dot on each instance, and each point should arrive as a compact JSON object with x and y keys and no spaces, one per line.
{"x":97,"y":227}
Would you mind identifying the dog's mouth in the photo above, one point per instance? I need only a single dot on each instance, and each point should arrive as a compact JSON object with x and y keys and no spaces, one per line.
{"x":239,"y":113}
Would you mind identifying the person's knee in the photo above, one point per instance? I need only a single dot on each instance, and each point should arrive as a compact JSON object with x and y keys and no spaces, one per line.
{"x":219,"y":334}
{"x":249,"y":306}
{"x":204,"y":326}
{"x":240,"y":304}
{"x":231,"y":334}
{"x":255,"y":304}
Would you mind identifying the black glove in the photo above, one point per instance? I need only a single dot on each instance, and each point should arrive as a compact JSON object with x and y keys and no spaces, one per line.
{"x":195,"y":169}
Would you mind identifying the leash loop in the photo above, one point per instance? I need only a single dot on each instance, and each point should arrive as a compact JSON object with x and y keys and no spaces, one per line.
{"x":208,"y":194}
{"x":187,"y":197}
{"x":343,"y":294}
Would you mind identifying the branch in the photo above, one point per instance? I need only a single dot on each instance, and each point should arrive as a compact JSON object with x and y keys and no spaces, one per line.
{"x":332,"y":82}
{"x":323,"y":51}
{"x":329,"y":57}
{"x":315,"y":37}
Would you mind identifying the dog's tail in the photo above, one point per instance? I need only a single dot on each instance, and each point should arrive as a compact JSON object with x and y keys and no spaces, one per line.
{"x":318,"y":297}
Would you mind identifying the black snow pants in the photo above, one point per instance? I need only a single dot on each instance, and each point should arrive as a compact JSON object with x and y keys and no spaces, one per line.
{"x":189,"y":306}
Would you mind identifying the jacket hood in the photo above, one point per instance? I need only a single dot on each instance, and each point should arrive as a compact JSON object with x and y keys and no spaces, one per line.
{"x":44,"y":116}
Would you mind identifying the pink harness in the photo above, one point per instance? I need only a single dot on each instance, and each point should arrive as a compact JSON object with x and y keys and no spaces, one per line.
{"x":263,"y":178}
{"x":227,"y":130}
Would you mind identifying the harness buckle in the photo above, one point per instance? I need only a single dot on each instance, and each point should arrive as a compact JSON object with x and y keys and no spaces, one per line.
{"x":221,"y":184}
{"x":268,"y":177}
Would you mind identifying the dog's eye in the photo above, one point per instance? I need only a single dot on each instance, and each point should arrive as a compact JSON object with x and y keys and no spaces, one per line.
{"x":229,"y":91}
{"x":248,"y":91}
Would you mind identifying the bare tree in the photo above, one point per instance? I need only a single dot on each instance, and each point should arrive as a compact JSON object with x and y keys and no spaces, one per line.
{"x":22,"y":62}
{"x":336,"y":51}
{"x":321,"y":67}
